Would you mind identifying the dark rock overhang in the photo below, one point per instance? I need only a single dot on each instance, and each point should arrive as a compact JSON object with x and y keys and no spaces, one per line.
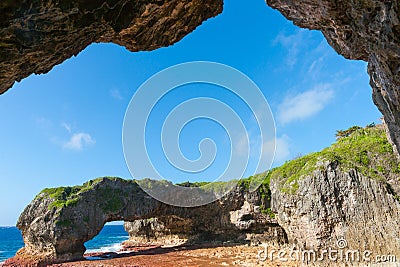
{"x":36,"y":36}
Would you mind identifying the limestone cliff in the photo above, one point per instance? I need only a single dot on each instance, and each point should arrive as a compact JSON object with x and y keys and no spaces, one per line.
{"x":57,"y":223}
{"x":37,"y":35}
{"x":348,"y":191}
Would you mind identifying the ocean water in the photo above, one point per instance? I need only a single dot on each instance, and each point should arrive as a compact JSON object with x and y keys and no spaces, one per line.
{"x":108,"y":240}
{"x":10,"y":242}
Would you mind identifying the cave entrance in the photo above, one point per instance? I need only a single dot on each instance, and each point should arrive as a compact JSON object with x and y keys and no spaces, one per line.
{"x":109,"y":240}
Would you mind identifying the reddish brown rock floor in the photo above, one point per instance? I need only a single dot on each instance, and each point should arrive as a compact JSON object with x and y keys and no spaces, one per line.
{"x":188,"y":256}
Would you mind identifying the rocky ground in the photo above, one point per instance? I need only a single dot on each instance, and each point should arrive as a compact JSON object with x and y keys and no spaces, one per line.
{"x":198,"y":255}
{"x":345,"y":196}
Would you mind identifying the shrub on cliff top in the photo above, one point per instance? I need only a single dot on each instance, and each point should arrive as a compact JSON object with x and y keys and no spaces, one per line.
{"x":69,"y":195}
{"x":365,"y":149}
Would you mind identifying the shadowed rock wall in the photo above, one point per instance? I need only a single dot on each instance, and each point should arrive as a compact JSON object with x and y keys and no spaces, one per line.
{"x":37,"y":35}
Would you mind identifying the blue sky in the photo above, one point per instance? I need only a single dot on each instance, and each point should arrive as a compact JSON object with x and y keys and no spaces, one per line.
{"x":65,"y":127}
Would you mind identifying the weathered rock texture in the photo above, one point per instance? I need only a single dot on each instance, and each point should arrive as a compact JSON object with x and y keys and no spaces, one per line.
{"x":350,"y":190}
{"x":208,"y":223}
{"x":363,"y":30}
{"x":332,"y":204}
{"x":334,"y":200}
{"x":57,"y":223}
{"x":37,"y":35}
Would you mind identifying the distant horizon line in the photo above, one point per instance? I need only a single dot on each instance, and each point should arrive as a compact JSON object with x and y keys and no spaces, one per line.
{"x":109,"y":223}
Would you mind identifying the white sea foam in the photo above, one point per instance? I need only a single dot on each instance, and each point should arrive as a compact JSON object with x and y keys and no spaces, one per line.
{"x":112,"y":248}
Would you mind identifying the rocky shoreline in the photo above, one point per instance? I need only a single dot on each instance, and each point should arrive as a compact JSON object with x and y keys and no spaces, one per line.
{"x":207,"y":254}
{"x":193,"y":255}
{"x":345,"y":197}
{"x":350,"y":191}
{"x":59,"y":221}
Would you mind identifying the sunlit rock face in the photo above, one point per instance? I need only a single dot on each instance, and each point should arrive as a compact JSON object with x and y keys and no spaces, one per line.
{"x":331,"y":204}
{"x":348,"y":192}
{"x":363,"y":30}
{"x":57,"y":223}
{"x":37,"y":35}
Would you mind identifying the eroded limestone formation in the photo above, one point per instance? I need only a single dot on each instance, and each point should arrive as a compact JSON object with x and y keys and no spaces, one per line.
{"x":37,"y":35}
{"x":349,"y":190}
{"x":202,"y":224}
{"x":341,"y":208}
{"x":57,"y":223}
{"x":348,"y":193}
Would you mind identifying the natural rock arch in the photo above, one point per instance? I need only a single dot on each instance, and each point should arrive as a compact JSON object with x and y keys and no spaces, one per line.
{"x":57,"y":223}
{"x":35,"y":36}
{"x":349,"y":190}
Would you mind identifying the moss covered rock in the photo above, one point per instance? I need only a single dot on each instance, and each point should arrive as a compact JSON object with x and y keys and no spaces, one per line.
{"x":348,"y":190}
{"x":57,"y":223}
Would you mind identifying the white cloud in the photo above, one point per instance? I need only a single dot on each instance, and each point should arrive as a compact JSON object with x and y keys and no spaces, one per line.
{"x":115,"y":93}
{"x":304,"y":105}
{"x":317,"y":60}
{"x":66,"y":126}
{"x":78,"y":141}
{"x":293,"y":45}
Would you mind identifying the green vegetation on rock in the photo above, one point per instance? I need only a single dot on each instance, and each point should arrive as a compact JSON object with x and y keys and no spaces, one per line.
{"x":269,"y":212}
{"x":111,"y":199}
{"x":70,"y":195}
{"x":346,"y":133}
{"x":366,"y":150}
{"x":265,"y":193}
{"x":218,"y":187}
{"x":193,"y":184}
